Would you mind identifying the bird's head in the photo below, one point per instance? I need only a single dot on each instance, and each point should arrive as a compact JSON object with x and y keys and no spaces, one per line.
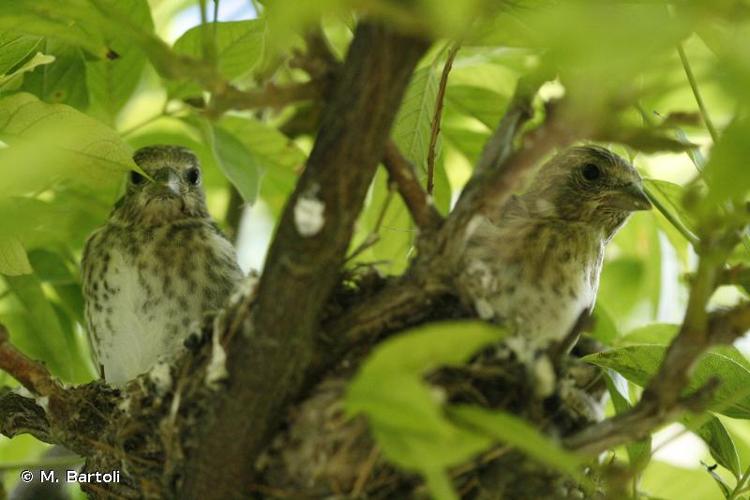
{"x":587,"y":184}
{"x":172,"y":190}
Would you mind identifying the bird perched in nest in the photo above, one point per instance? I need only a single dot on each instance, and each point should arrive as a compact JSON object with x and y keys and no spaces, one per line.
{"x":158,"y":265}
{"x":535,"y":264}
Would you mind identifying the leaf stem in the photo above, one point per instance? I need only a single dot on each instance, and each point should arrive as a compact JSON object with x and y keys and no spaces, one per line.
{"x":739,"y":488}
{"x":685,"y":232}
{"x":696,"y":93}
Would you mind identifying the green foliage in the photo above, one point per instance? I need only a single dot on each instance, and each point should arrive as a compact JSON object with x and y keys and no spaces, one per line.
{"x":78,"y":92}
{"x":404,"y":412}
{"x":638,"y":363}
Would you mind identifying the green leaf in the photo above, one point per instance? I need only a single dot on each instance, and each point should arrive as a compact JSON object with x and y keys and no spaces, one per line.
{"x":36,"y":329}
{"x":605,"y":329}
{"x":74,"y":22}
{"x":236,"y":162}
{"x":485,"y":105}
{"x":13,"y":258}
{"x":15,"y":48}
{"x":639,"y":452}
{"x":725,"y":172}
{"x":60,"y":82}
{"x":668,"y":197}
{"x":270,"y":154}
{"x":239,"y":49}
{"x":413,"y":126}
{"x":720,"y":444}
{"x":111,"y":82}
{"x":404,"y":412}
{"x":654,"y":333}
{"x":514,"y":431}
{"x":638,"y":363}
{"x":13,"y":79}
{"x":84,"y":151}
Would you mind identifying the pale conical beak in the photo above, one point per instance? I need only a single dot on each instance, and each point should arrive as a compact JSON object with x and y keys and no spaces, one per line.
{"x":169,"y":180}
{"x":630,"y":198}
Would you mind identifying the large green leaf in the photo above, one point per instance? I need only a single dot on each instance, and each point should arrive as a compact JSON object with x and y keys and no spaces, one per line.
{"x":55,"y":143}
{"x":485,"y":105}
{"x":404,"y":413}
{"x":11,"y":81}
{"x":237,"y":164}
{"x":15,"y":48}
{"x":239,"y":49}
{"x":74,"y":22}
{"x":111,"y":81}
{"x":638,"y":363}
{"x":719,"y":442}
{"x":514,"y":431}
{"x":269,"y":154}
{"x":36,"y":329}
{"x":61,"y":81}
{"x":726,"y":170}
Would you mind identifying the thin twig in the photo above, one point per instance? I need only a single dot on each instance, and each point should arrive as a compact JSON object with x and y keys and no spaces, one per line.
{"x":374,"y":236}
{"x":440,"y":100}
{"x":33,"y":375}
{"x":403,"y":173}
{"x":697,"y":94}
{"x":271,"y":96}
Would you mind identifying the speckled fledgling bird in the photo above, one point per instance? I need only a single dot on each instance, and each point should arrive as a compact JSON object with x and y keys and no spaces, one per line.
{"x":535,"y":264}
{"x":158,"y":265}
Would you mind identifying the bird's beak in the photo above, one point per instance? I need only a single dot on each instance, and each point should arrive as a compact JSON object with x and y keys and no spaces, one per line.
{"x":631,"y":198}
{"x":169,"y":180}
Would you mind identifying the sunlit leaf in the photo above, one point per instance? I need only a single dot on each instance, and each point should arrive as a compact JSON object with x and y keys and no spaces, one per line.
{"x":514,"y":431}
{"x":15,"y":48}
{"x":35,"y":328}
{"x":12,"y":80}
{"x":13,"y":258}
{"x":111,"y":81}
{"x":84,"y":150}
{"x":404,"y":413}
{"x":720,"y":444}
{"x":74,"y":22}
{"x":638,"y":363}
{"x":727,"y":176}
{"x":60,"y":82}
{"x":239,"y":49}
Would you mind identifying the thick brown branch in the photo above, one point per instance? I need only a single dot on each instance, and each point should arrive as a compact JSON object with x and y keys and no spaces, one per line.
{"x":269,"y":359}
{"x":31,"y":374}
{"x":404,"y":174}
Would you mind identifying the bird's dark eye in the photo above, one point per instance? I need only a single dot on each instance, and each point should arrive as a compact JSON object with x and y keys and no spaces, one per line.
{"x":591,"y":172}
{"x":136,"y":178}
{"x":193,"y":176}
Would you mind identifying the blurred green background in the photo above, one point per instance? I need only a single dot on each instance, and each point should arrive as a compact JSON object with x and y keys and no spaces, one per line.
{"x":82,"y":85}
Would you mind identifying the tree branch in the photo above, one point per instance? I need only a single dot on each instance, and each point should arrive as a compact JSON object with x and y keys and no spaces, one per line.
{"x":663,"y":400}
{"x":277,"y":340}
{"x":271,"y":96}
{"x":33,"y":375}
{"x":404,"y":174}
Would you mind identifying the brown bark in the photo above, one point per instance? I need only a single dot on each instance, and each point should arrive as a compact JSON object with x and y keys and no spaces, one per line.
{"x":270,"y":357}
